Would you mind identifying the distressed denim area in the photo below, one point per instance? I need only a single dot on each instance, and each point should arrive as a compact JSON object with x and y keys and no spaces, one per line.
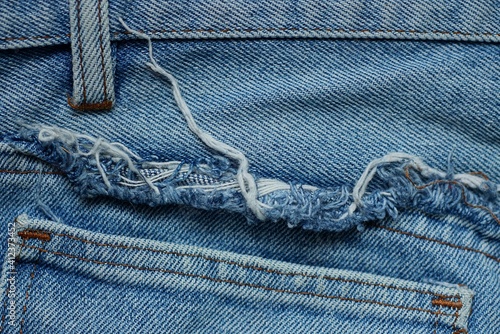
{"x":371,"y":136}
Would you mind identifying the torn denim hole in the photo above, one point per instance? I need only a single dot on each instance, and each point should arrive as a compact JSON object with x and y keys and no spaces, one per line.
{"x":98,"y":167}
{"x":397,"y":181}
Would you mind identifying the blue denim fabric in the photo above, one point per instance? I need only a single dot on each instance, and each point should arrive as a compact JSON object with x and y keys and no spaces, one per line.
{"x":93,"y":77}
{"x":472,"y":20}
{"x":99,"y":249}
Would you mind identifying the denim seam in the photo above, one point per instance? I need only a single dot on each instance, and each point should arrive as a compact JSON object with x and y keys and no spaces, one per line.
{"x":155,"y":32}
{"x":217,"y":280}
{"x":411,"y":31}
{"x":240,"y":265}
{"x":80,"y":53}
{"x":102,"y":51}
{"x":28,"y":290}
{"x":445,"y":243}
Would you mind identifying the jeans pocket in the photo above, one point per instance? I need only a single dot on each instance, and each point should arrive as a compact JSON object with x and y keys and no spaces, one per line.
{"x":66,"y":279}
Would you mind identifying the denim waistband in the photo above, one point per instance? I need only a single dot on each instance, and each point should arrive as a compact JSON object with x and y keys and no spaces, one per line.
{"x":474,"y":20}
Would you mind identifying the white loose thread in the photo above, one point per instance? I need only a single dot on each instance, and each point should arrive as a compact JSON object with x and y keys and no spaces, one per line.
{"x":99,"y":146}
{"x":245,"y":180}
{"x":360,"y":187}
{"x":468,"y":180}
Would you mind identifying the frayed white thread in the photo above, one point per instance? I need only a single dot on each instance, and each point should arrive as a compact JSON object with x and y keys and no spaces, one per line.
{"x":99,"y":147}
{"x":468,"y":180}
{"x":265,"y":186}
{"x":245,"y":180}
{"x":360,"y":187}
{"x":156,"y":178}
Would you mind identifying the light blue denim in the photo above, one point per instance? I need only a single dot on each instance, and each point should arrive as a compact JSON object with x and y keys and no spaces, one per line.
{"x":119,"y":219}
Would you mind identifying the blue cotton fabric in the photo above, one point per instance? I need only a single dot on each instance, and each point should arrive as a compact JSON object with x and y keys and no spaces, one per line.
{"x":312,"y":93}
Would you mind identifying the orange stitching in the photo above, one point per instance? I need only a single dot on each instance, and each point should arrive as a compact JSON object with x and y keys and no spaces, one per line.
{"x":483,"y":175}
{"x":461,"y":331}
{"x":462,"y":187}
{"x":6,"y":171}
{"x":225,"y":30}
{"x":90,"y":106}
{"x":246,"y":266}
{"x":447,"y":303}
{"x":418,"y":236}
{"x":28,"y":234}
{"x":368,"y":301}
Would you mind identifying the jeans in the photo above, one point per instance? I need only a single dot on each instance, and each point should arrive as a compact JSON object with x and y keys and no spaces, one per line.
{"x":250,"y":166}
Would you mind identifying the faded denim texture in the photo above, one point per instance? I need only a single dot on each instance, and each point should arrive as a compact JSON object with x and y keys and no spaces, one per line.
{"x":371,"y":132}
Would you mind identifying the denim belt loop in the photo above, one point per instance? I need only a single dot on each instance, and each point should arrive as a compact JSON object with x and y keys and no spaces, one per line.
{"x":93,"y":81}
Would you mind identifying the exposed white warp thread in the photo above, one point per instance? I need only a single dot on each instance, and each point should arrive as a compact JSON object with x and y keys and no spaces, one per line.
{"x":245,"y":180}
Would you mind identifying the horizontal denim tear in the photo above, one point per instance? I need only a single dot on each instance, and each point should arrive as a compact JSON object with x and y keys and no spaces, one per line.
{"x":397,"y":181}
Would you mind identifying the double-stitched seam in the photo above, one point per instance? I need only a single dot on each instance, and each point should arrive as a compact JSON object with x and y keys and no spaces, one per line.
{"x":270,"y":29}
{"x":102,"y":51}
{"x":340,"y":30}
{"x":93,"y":87}
{"x":445,"y":243}
{"x":270,"y":271}
{"x":244,"y":284}
{"x":78,"y":11}
{"x":28,"y":289}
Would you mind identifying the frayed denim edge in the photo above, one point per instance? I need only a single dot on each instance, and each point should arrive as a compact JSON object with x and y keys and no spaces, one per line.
{"x":392,"y":183}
